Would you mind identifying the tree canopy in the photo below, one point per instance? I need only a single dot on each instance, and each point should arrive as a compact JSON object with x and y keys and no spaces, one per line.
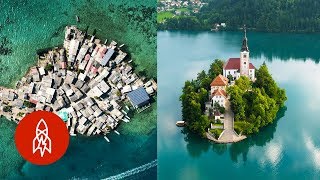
{"x":261,"y":15}
{"x":255,"y":105}
{"x":195,"y":95}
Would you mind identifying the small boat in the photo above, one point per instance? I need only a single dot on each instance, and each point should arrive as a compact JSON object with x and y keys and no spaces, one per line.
{"x":78,"y":19}
{"x":121,"y":45}
{"x":105,"y":42}
{"x":124,"y":112}
{"x":105,"y":137}
{"x":180,"y":123}
{"x":125,"y":120}
{"x":116,"y":132}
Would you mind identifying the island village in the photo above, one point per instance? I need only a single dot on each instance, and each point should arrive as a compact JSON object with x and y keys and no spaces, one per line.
{"x":232,"y":70}
{"x":90,"y":84}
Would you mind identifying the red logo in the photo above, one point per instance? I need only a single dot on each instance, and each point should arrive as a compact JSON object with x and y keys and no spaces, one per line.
{"x":42,"y":138}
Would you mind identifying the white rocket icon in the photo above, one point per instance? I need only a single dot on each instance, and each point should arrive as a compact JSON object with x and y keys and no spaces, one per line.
{"x":42,"y":141}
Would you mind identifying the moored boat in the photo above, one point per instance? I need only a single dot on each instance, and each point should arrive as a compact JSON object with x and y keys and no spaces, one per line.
{"x":180,"y":123}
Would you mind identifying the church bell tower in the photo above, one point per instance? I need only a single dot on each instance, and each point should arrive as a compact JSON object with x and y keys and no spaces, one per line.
{"x":244,"y":55}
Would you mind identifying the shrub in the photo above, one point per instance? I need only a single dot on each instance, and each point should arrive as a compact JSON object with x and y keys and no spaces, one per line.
{"x":7,"y":108}
{"x":49,"y":67}
{"x":28,"y":104}
{"x":243,"y":127}
{"x":20,"y":114}
{"x":216,"y":132}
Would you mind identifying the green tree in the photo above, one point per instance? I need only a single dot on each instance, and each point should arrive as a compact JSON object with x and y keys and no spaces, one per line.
{"x":200,"y":126}
{"x":203,"y":80}
{"x":269,"y":86}
{"x":215,"y":68}
{"x":230,"y":77}
{"x":257,"y":106}
{"x":237,"y":102}
{"x":286,"y":15}
{"x":203,"y":98}
{"x":7,"y":108}
{"x":243,"y":83}
{"x":28,"y":104}
{"x":48,"y":67}
{"x":217,"y":107}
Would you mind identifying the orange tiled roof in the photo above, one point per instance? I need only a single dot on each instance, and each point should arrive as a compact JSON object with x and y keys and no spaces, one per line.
{"x":219,"y":81}
{"x":219,"y":92}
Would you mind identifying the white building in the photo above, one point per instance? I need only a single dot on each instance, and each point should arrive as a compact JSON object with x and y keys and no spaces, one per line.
{"x":219,"y":96}
{"x":237,"y":67}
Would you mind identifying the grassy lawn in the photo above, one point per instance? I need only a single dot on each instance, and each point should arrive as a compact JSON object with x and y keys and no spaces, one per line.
{"x":183,"y":9}
{"x":217,"y":124}
{"x":164,"y":15}
{"x":216,"y":132}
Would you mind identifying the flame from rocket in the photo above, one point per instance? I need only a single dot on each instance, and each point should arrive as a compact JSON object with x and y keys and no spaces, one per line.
{"x":42,"y":141}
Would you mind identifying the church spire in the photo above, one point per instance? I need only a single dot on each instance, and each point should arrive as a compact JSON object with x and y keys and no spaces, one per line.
{"x":245,"y":41}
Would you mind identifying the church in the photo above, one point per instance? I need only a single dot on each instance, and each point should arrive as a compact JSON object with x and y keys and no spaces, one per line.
{"x":237,"y":67}
{"x":234,"y":67}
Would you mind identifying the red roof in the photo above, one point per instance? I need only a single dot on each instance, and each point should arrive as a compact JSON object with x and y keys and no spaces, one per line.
{"x":217,"y":113}
{"x":219,"y":92}
{"x":63,"y":65}
{"x":251,"y":66}
{"x":33,"y":101}
{"x":234,"y":63}
{"x":96,"y":49}
{"x":94,"y":69}
{"x":102,"y":51}
{"x":219,"y":81}
{"x":87,"y":57}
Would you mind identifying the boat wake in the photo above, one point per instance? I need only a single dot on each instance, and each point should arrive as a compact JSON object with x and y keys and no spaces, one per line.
{"x":134,"y":171}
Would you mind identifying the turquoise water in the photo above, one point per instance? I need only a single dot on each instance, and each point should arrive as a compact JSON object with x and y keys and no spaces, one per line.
{"x":287,"y":149}
{"x":28,"y":26}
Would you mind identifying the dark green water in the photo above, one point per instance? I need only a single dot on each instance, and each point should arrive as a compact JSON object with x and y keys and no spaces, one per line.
{"x":287,"y":149}
{"x":31,"y":25}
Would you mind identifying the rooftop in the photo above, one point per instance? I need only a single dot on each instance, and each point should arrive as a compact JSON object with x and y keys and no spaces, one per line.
{"x":219,"y":81}
{"x":219,"y":92}
{"x":234,"y":63}
{"x":138,"y":96}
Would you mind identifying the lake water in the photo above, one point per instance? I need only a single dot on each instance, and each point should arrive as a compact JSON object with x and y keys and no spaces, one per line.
{"x":32,"y":25}
{"x":287,"y":149}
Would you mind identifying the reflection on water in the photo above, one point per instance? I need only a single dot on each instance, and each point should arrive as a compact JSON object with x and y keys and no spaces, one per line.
{"x":294,"y":47}
{"x":270,"y":45}
{"x":280,"y":150}
{"x":313,"y":150}
{"x":273,"y":154}
{"x":196,"y":145}
{"x":219,"y":148}
{"x":260,"y":139}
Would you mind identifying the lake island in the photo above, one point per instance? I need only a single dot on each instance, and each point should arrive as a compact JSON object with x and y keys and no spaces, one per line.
{"x":232,"y":100}
{"x":89,"y":83}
